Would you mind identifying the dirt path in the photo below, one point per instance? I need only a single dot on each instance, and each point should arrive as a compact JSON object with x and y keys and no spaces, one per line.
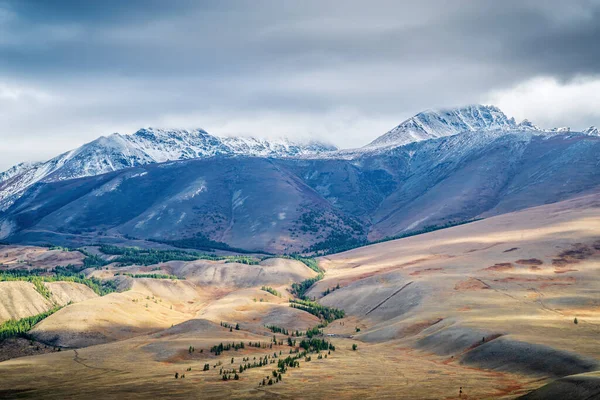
{"x":389,"y":297}
{"x":80,"y":360}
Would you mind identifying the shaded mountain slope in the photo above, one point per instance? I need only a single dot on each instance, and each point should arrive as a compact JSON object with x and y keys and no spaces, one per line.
{"x":146,"y":146}
{"x":320,"y":203}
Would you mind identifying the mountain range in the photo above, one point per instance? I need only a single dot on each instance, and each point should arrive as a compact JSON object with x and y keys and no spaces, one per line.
{"x":192,"y":188}
{"x":146,"y":146}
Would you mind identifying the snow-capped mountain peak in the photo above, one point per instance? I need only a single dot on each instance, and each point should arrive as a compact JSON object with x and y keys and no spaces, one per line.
{"x":146,"y":146}
{"x":592,"y":131}
{"x":562,"y":129}
{"x":152,"y":145}
{"x":433,"y":124}
{"x":527,"y":125}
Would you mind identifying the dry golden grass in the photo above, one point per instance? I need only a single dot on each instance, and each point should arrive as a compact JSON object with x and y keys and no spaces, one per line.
{"x":136,"y":368}
{"x":428,"y":308}
{"x":21,"y":299}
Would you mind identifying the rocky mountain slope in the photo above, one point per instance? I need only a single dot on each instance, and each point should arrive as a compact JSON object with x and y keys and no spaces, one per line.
{"x":435,"y":169}
{"x":433,"y":124}
{"x":295,"y":204}
{"x":146,"y":146}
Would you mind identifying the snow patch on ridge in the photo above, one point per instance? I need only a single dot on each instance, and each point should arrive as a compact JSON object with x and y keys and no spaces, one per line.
{"x":194,"y":190}
{"x":146,"y":146}
{"x":432,"y":124}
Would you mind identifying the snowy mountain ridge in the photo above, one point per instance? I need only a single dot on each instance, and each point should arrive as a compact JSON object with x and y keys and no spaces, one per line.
{"x":432,"y":124}
{"x":146,"y":146}
{"x":592,"y":131}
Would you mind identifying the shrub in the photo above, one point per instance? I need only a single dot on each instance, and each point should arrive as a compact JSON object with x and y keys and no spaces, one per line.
{"x":271,"y":290}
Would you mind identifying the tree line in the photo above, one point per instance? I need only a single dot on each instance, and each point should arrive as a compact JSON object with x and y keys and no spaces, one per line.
{"x":138,"y":256}
{"x":151,"y":276}
{"x":269,"y":289}
{"x":20,"y":327}
{"x":300,"y":289}
{"x":36,"y":277}
{"x":339,"y":242}
{"x":322,"y":312}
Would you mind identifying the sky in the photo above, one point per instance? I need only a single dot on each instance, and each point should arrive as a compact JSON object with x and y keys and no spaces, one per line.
{"x":342,"y":71}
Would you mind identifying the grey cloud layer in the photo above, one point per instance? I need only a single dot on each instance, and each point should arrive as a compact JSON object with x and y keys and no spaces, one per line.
{"x":80,"y":69}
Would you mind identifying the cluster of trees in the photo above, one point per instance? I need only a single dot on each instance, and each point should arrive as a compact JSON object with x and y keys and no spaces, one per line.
{"x":245,"y":365}
{"x":152,"y":276}
{"x":92,"y":260}
{"x":227,"y":325}
{"x":339,"y":242}
{"x":314,"y":331}
{"x":344,"y":230}
{"x":218,"y":349}
{"x":192,"y":349}
{"x":276,"y":374}
{"x":13,"y":328}
{"x":134,"y":255}
{"x":138,"y":256}
{"x":69,"y":270}
{"x":277,"y":329}
{"x":329,"y":290}
{"x":312,"y":221}
{"x":316,"y":345}
{"x":40,"y":287}
{"x":300,"y":289}
{"x":271,"y":290}
{"x":308,"y":261}
{"x":63,"y":274}
{"x":242,"y":260}
{"x":261,"y":345}
{"x":303,"y":351}
{"x":227,"y":377}
{"x":54,"y":247}
{"x":291,"y":361}
{"x":336,"y":242}
{"x":323,"y":312}
{"x":308,"y":347}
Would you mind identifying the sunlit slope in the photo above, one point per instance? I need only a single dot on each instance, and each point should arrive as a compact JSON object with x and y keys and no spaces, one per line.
{"x":502,"y":293}
{"x":150,"y":305}
{"x":488,"y":308}
{"x":21,"y":299}
{"x":209,"y":289}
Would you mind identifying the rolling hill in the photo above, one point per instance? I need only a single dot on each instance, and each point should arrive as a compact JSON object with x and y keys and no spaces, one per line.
{"x":499,"y":308}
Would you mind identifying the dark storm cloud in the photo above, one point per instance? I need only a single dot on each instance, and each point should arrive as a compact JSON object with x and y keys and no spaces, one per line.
{"x":340,"y":70}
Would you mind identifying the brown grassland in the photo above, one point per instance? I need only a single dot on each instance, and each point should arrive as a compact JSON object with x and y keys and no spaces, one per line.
{"x":478,"y":311}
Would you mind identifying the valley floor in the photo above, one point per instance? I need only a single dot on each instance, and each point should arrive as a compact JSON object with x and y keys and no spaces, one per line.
{"x":500,"y":308}
{"x":129,"y":370}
